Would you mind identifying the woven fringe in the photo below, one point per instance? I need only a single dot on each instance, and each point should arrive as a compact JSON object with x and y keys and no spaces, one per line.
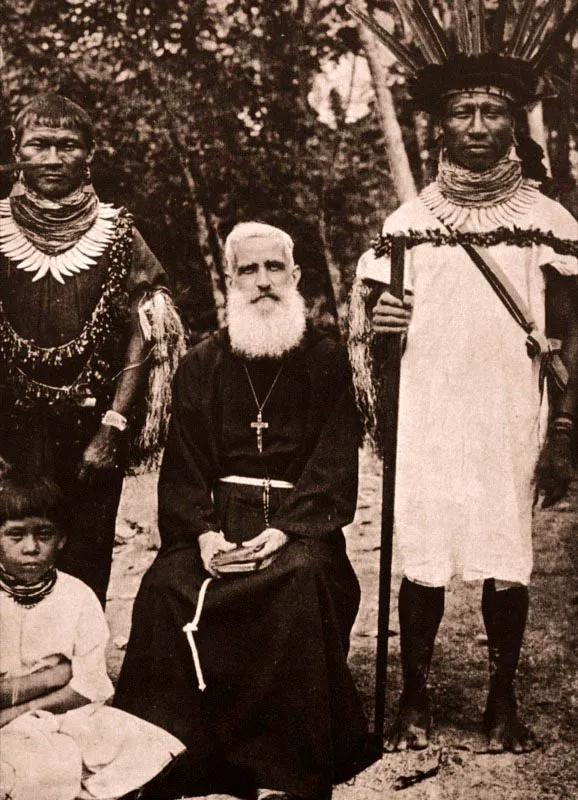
{"x":162,"y":326}
{"x":360,"y":346}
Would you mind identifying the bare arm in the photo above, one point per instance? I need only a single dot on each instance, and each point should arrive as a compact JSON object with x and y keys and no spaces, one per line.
{"x":59,"y":701}
{"x":21,"y":689}
{"x":555,"y":468}
{"x":562,"y":312}
{"x":135,"y":370}
{"x":101,"y":451}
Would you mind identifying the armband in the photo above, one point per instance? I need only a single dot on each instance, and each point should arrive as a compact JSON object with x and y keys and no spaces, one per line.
{"x":563,"y":424}
{"x":114,"y":420}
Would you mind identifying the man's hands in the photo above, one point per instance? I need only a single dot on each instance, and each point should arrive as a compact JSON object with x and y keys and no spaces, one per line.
{"x":390,"y":315}
{"x":555,"y":468}
{"x":210,"y":544}
{"x":100,"y":454}
{"x":265,"y":547}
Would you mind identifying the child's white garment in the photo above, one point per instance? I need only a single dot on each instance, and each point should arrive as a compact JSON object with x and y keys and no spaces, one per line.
{"x":90,"y":752}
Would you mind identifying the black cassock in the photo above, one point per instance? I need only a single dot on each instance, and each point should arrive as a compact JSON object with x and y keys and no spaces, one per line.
{"x":280,"y":709}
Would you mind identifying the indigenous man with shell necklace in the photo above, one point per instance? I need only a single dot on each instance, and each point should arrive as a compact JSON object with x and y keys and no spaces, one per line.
{"x":84,"y":314}
{"x":490,"y":265}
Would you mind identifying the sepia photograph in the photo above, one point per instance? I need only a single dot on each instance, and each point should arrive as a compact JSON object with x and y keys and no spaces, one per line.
{"x":288,"y":399}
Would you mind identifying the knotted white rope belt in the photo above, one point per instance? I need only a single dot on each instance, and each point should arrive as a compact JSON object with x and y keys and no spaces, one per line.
{"x":266,"y":483}
{"x":193,"y":627}
{"x":272,"y":483}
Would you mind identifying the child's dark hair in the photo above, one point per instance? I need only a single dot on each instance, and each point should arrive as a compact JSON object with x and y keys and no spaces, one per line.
{"x":22,"y":497}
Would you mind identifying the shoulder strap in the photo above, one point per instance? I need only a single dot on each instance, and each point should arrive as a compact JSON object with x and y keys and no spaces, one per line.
{"x":536,"y":343}
{"x":502,"y":286}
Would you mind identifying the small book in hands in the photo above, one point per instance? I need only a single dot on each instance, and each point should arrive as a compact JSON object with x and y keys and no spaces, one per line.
{"x":234,"y":562}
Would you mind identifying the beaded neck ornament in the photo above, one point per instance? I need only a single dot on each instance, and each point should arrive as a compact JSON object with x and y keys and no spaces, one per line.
{"x":20,"y":358}
{"x":480,"y":200}
{"x":60,"y":239}
{"x":28,"y":595}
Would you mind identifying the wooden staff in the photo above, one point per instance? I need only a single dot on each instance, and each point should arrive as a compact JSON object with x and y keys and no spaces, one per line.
{"x":390,"y":368}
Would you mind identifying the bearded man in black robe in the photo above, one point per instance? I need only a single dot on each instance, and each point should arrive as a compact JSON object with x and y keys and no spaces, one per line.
{"x":241,"y":627}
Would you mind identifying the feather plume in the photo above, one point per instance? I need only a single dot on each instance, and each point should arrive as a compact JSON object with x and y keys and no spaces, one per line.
{"x":483,"y":26}
{"x":519,"y":36}
{"x":402,"y":53}
{"x":542,"y":58}
{"x":553,"y":84}
{"x":434,"y":29}
{"x":499,"y":26}
{"x":476,"y":24}
{"x":537,"y":34}
{"x":463,"y":27}
{"x":414,"y":22}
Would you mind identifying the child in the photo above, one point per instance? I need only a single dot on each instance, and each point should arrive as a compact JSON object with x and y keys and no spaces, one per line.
{"x":58,"y":741}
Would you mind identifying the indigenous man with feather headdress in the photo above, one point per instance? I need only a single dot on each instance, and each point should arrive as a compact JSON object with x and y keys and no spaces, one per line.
{"x":489,"y":269}
{"x":84,"y":316}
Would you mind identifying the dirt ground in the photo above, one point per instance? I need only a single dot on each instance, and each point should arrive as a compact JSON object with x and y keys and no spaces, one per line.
{"x":453,"y":767}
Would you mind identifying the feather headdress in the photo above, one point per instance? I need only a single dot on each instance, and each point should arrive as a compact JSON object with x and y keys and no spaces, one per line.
{"x":488,"y":48}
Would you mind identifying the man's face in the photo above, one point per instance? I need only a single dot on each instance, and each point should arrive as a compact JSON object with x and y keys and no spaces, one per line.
{"x":478,"y":129}
{"x":28,"y":547}
{"x":65,"y":154}
{"x":263,"y":273}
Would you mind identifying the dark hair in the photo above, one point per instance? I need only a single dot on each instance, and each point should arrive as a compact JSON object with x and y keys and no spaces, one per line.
{"x":531,"y":156}
{"x":22,"y":497}
{"x":54,"y":111}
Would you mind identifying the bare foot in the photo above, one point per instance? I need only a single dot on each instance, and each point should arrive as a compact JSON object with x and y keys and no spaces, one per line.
{"x":504,"y":730}
{"x":411,"y":729}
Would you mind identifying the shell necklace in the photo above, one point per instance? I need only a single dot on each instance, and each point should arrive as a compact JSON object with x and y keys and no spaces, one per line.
{"x":81,"y":256}
{"x":500,"y":196}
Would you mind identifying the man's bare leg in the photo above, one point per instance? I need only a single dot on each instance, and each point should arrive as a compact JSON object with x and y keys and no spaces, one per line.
{"x":421,"y":609}
{"x":505,"y":613}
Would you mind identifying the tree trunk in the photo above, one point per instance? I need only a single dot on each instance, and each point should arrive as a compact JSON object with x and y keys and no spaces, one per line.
{"x":335,"y":283}
{"x":396,"y":152}
{"x":205,"y":229}
{"x":423,"y":135}
{"x":538,"y":132}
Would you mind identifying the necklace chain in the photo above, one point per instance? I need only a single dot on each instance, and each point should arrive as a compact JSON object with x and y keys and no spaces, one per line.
{"x":261,"y":406}
{"x":258,"y":426}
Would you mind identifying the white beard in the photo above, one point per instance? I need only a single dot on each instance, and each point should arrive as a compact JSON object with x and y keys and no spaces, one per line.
{"x":267,"y":329}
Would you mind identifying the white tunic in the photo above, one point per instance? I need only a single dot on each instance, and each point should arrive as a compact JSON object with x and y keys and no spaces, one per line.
{"x":471,"y":416}
{"x":92,"y":752}
{"x":68,"y":622}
